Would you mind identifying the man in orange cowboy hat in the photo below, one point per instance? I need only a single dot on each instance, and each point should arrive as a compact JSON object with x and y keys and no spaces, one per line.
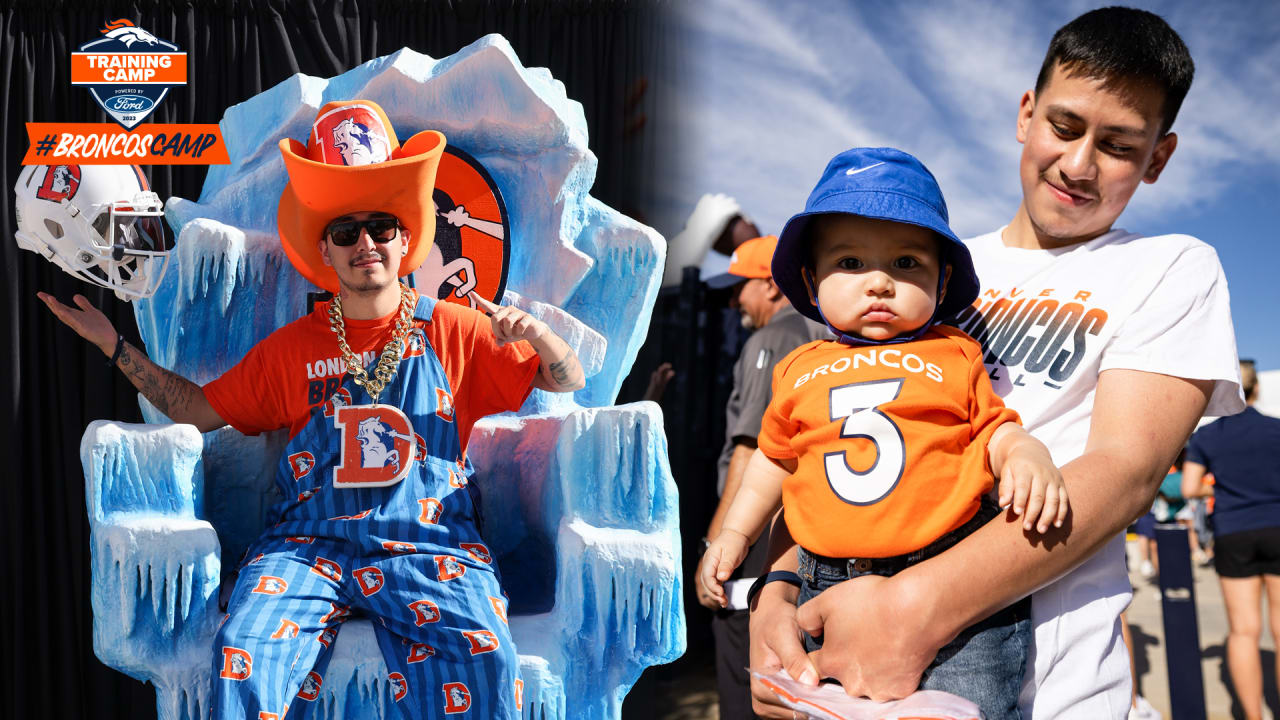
{"x":378,"y":516}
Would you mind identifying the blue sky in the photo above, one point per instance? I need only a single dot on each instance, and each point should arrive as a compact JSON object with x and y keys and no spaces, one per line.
{"x":769,"y":90}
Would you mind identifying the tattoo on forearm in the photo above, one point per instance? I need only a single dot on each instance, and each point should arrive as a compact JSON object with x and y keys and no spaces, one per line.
{"x":167,"y":391}
{"x":561,"y":371}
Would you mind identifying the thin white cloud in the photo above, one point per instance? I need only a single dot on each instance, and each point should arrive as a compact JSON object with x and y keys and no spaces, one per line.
{"x":775,"y":89}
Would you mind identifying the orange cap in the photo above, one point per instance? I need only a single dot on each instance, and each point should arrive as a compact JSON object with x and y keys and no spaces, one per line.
{"x":352,"y":162}
{"x":752,"y":259}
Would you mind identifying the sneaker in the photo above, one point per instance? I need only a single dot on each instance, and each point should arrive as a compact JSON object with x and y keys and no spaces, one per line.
{"x":1147,"y":570}
{"x":1142,"y":710}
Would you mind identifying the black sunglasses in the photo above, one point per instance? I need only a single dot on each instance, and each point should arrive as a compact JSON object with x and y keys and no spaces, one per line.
{"x":344,"y":233}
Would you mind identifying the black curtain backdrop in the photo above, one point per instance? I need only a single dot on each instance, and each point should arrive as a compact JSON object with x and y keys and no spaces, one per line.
{"x":54,"y":383}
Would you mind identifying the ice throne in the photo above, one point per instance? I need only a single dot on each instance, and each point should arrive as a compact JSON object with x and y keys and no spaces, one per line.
{"x":579,"y":504}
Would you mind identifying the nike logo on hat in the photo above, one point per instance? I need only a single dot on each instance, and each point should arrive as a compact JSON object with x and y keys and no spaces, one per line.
{"x":851,"y":171}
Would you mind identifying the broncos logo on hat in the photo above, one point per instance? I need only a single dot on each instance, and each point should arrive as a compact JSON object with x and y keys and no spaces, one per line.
{"x":352,"y":135}
{"x":357,"y":144}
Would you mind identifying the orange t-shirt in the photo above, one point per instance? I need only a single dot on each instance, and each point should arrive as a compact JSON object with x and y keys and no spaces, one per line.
{"x":299,"y":366}
{"x":890,"y":441}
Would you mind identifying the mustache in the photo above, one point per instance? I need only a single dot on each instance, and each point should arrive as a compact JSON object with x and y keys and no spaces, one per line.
{"x":371,"y":255}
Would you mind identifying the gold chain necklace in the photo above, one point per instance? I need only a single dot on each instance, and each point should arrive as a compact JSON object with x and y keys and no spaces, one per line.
{"x":392,"y":352}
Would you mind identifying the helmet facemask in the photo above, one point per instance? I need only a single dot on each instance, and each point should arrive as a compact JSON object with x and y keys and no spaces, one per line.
{"x":132,"y":246}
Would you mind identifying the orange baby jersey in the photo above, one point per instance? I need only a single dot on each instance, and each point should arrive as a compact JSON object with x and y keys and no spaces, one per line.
{"x":890,"y":441}
{"x":281,"y":379}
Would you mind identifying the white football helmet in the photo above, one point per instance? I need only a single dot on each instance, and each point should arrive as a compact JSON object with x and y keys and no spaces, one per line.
{"x":100,"y":223}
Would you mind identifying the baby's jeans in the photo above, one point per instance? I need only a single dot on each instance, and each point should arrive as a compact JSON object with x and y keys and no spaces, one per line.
{"x":984,"y":663}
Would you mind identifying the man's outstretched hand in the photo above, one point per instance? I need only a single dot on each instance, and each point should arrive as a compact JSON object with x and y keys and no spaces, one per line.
{"x":88,"y":321}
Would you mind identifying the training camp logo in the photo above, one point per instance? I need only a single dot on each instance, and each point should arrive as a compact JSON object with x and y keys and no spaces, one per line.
{"x":128,"y":71}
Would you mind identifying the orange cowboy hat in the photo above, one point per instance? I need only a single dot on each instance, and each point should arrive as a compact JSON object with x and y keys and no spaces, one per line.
{"x":352,"y":162}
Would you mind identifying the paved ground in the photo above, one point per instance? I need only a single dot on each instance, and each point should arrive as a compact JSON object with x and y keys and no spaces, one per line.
{"x":689,"y":693}
{"x":1146,"y":623}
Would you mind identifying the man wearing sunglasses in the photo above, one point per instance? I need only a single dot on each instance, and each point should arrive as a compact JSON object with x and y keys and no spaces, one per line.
{"x":378,"y":516}
{"x":360,"y":246}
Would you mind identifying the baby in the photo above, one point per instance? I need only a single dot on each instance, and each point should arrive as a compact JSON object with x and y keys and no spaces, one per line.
{"x":883,"y":446}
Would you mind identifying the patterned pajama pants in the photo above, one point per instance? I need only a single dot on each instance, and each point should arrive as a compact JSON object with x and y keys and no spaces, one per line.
{"x":448,"y":649}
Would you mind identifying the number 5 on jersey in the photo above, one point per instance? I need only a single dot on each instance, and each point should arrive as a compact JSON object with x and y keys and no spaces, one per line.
{"x":857,"y":403}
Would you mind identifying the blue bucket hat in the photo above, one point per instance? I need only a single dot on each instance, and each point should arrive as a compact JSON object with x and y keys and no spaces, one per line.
{"x":885,"y":184}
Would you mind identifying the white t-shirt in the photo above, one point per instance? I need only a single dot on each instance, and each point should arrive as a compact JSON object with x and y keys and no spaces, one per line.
{"x":1051,"y":321}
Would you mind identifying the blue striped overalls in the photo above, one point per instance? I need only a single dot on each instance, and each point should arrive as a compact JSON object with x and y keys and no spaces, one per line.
{"x":408,"y":555}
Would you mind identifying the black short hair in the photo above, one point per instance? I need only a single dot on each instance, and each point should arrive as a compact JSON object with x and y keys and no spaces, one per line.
{"x":1248,"y":379}
{"x":1121,"y":44}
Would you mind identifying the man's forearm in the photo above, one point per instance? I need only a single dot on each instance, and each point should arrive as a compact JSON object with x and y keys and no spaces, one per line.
{"x":1139,"y":423}
{"x":560,"y":370}
{"x":177,"y":397}
{"x":1103,"y":503}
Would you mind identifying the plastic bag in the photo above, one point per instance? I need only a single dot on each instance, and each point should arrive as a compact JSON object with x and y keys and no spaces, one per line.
{"x":828,"y":701}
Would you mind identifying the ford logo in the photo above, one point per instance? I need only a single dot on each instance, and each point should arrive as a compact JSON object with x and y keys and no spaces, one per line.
{"x":128,"y":103}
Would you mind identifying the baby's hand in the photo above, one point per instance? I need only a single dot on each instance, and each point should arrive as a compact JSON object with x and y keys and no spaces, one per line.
{"x":725,"y":554}
{"x":1033,"y":485}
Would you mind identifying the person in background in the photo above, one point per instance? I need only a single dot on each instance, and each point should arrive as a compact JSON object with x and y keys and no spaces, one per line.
{"x":715,"y":228}
{"x":1243,"y":452}
{"x":777,"y":330}
{"x":1169,"y":507}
